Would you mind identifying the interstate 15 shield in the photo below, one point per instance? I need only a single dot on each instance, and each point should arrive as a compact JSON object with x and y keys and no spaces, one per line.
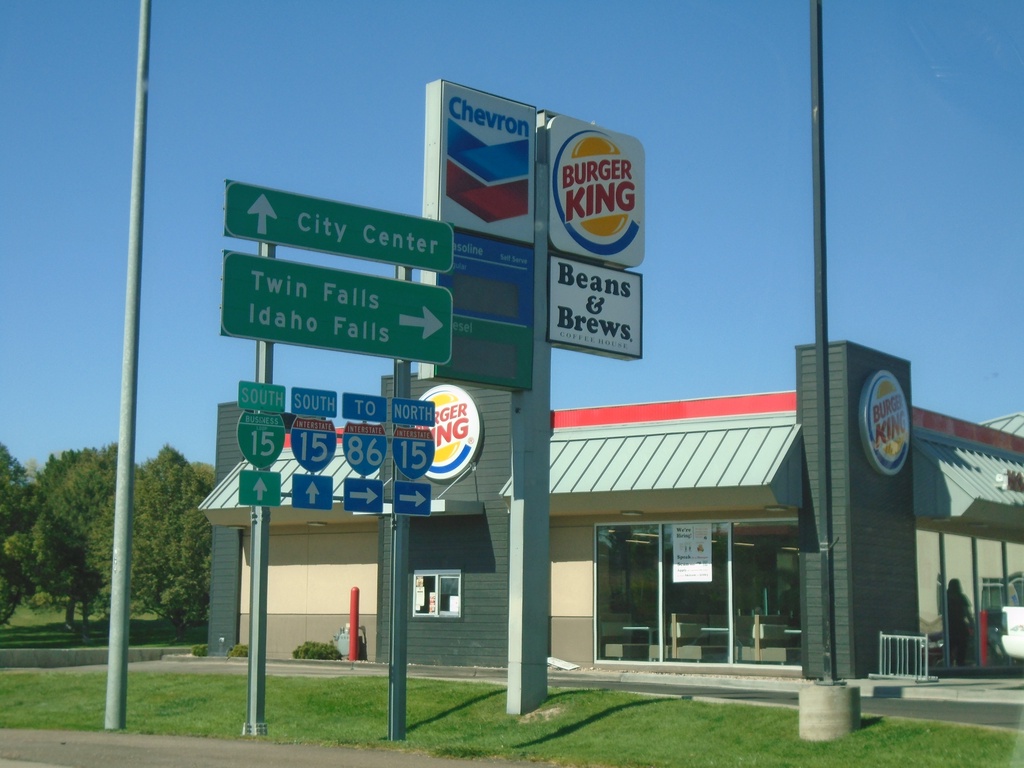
{"x":314,"y":442}
{"x":413,"y":449}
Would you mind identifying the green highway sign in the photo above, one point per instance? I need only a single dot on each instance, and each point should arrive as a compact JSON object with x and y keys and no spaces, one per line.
{"x":259,"y":489}
{"x":312,"y":306}
{"x":285,"y":218}
{"x":257,"y":396}
{"x":260,"y":437}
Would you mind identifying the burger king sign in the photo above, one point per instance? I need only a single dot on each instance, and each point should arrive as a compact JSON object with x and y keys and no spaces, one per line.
{"x":597,"y":192}
{"x":885,"y":423}
{"x":457,"y":431}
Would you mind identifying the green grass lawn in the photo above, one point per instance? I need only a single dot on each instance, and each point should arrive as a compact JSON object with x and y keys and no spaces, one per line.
{"x":458,"y":719}
{"x":45,"y":629}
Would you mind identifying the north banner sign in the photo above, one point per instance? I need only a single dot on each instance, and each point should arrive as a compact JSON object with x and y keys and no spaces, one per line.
{"x":311,"y":306}
{"x":285,"y":218}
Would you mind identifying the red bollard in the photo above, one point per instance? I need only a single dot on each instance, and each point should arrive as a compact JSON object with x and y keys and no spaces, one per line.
{"x":353,"y":625}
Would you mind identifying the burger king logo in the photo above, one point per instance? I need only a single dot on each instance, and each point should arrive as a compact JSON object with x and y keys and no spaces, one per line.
{"x":457,"y":429}
{"x":885,"y":423}
{"x":597,"y":192}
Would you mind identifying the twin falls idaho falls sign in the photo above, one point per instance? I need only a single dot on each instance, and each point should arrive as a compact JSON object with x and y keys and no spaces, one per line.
{"x":312,"y":306}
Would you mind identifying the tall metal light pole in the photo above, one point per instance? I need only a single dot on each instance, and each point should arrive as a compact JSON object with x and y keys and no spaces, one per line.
{"x":120,"y":578}
{"x":823,"y":502}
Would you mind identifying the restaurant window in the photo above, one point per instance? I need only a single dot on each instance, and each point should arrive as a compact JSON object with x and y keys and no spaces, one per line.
{"x":437,"y":593}
{"x":766,"y":592}
{"x":698,"y":593}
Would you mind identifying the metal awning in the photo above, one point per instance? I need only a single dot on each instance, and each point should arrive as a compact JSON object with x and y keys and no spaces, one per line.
{"x":749,"y":464}
{"x":221,"y":507}
{"x":961,"y":487}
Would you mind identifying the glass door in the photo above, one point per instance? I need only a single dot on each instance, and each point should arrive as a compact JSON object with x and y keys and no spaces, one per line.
{"x":695,"y":573}
{"x":627,"y":592}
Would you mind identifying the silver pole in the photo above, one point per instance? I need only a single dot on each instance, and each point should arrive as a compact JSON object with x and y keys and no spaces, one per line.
{"x":823,"y":502}
{"x":120,"y":578}
{"x":398,"y":656}
{"x":259,"y":547}
{"x":529,"y":563}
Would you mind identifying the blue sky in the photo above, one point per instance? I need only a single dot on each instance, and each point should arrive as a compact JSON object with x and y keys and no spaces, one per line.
{"x":924,"y":119}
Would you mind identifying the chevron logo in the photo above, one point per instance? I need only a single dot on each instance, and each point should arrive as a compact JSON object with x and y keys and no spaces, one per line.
{"x":490,"y":180}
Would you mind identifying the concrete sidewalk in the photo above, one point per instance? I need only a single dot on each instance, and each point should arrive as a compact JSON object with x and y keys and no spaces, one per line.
{"x":87,"y":749}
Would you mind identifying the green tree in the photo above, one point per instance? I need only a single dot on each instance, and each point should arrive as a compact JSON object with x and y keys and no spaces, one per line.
{"x":16,"y":517}
{"x":72,"y":536}
{"x":172,"y":540}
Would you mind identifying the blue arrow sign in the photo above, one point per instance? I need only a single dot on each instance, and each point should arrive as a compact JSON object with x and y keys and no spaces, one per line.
{"x":363,"y":495}
{"x":412,"y":498}
{"x":312,"y":491}
{"x":314,"y":442}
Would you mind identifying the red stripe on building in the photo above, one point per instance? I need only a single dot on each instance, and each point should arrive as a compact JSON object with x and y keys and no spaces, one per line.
{"x":708,"y":408}
{"x":965,"y":430}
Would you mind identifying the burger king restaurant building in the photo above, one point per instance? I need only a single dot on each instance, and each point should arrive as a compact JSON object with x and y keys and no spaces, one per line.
{"x":682,"y":534}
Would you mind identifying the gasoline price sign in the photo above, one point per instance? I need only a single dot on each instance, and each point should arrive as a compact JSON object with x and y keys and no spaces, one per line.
{"x":314,"y":442}
{"x":364,"y":446}
{"x":261,"y":437}
{"x":413,"y":448}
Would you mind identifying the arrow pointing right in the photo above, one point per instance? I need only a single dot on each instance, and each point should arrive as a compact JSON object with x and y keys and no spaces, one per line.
{"x":262,"y":208}
{"x":416,"y":498}
{"x":427,"y":321}
{"x":368,"y":495}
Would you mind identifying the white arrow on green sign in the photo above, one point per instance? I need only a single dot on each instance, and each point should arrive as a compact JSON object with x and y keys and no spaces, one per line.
{"x":285,"y":218}
{"x":291,"y":303}
{"x":259,"y":489}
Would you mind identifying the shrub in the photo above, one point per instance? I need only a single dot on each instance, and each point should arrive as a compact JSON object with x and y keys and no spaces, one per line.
{"x":314,"y":650}
{"x":199,"y":650}
{"x":240,"y":651}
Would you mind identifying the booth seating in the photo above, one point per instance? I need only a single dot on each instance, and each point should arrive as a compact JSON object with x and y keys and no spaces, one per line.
{"x":698,"y":637}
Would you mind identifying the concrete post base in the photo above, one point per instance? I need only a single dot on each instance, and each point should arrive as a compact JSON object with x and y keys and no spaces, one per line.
{"x":829,"y":712}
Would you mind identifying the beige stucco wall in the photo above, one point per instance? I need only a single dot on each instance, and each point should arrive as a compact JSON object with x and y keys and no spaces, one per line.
{"x":572,"y":590}
{"x":311,"y":573}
